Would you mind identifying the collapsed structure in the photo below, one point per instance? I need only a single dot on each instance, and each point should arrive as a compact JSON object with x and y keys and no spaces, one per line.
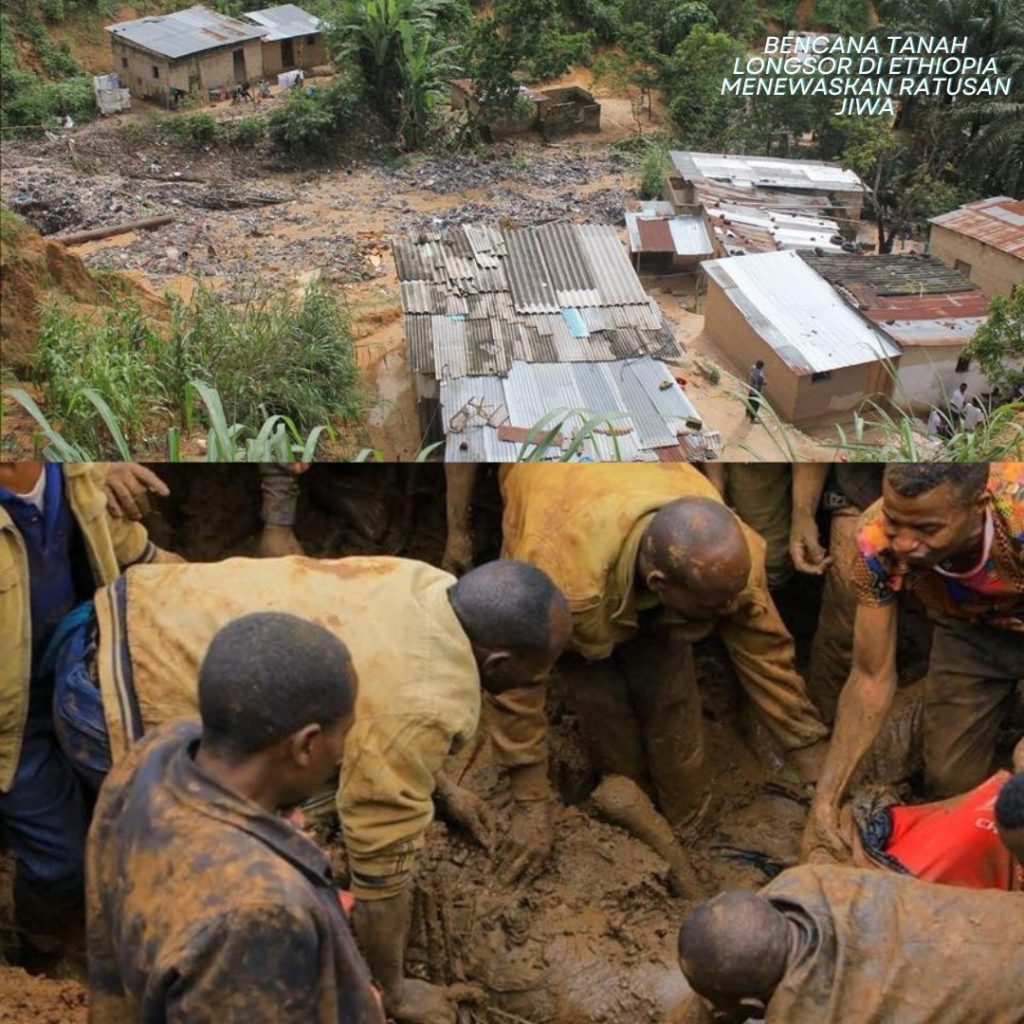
{"x":506,"y":327}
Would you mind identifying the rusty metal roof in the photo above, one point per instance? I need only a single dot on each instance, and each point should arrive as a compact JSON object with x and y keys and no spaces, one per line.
{"x":998,"y":222}
{"x":186,"y":32}
{"x":914,"y":299}
{"x":478,"y":298}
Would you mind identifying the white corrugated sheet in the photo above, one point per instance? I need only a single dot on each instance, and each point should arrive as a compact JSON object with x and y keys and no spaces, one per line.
{"x":285,"y":22}
{"x":797,"y":312}
{"x":771,"y":172}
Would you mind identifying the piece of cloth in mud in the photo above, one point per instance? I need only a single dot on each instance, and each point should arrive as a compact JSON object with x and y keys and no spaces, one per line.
{"x":203,"y":907}
{"x":993,"y":595}
{"x":881,"y":948}
{"x":418,"y":695}
{"x":280,"y":488}
{"x":953,"y":842}
{"x":583,"y":526}
{"x":761,"y":495}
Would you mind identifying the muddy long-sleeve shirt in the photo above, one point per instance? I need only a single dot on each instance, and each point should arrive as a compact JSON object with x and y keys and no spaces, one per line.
{"x":418,"y":696}
{"x":582,"y":524}
{"x":877,"y":948}
{"x":203,"y":908}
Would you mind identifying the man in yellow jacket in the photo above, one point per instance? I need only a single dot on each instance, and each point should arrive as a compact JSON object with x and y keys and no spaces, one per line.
{"x":423,"y":645}
{"x":650,"y":560}
{"x":57,"y":543}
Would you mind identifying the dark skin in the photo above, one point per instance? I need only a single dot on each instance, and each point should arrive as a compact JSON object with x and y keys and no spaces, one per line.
{"x":383,"y":925}
{"x":938,"y":527}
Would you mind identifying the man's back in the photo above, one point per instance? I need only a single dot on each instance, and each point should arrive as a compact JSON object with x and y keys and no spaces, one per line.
{"x":202,"y":907}
{"x":887,"y":949}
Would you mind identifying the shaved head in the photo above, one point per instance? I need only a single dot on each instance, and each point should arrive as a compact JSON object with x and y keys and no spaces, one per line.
{"x":697,"y":549}
{"x":734,"y":947}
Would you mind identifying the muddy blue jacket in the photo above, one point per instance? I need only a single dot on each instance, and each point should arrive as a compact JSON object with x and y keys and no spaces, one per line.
{"x":203,"y":908}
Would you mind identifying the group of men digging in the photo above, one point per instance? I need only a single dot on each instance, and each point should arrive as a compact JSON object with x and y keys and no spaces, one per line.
{"x":215,"y":698}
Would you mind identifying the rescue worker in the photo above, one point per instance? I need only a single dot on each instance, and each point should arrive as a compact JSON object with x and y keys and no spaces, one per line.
{"x":423,"y":645}
{"x":57,"y":543}
{"x":831,"y":945}
{"x":205,"y":905}
{"x":650,"y":560}
{"x":953,"y":534}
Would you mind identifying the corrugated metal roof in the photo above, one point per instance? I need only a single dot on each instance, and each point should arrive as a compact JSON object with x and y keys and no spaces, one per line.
{"x":645,"y":405}
{"x":915,"y":300}
{"x":767,"y":172}
{"x":285,"y":21}
{"x":578,"y":321}
{"x":998,"y":222}
{"x":798,"y":313}
{"x":690,"y":236}
{"x":183,"y":33}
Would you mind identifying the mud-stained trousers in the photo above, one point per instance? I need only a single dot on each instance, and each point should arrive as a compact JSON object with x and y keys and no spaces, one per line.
{"x":972,"y":681}
{"x":640,"y":711}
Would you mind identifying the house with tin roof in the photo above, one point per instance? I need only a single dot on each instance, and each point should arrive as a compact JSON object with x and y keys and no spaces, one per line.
{"x":821,"y":357}
{"x":985,"y":242}
{"x":292,"y":38}
{"x":191,"y":51}
{"x":929,"y":310}
{"x":507,"y":326}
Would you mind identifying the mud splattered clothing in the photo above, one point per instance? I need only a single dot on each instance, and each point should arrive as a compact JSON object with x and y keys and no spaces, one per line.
{"x":877,"y":948}
{"x":953,"y":842}
{"x":419,"y":687}
{"x":977,"y":654}
{"x":280,"y":488}
{"x":583,"y":526}
{"x":993,"y":594}
{"x":108,"y":545}
{"x":204,"y":908}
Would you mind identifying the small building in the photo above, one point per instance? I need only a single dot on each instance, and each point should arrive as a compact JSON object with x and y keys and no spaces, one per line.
{"x":552,"y":112}
{"x":505,"y":326}
{"x":985,"y":242}
{"x":842,"y":190}
{"x":662,"y":240}
{"x":191,"y":51}
{"x":293,"y":39}
{"x":821,"y":358}
{"x":930,"y":310}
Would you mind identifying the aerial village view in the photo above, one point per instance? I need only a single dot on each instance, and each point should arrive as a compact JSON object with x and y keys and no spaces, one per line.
{"x":512,"y":512}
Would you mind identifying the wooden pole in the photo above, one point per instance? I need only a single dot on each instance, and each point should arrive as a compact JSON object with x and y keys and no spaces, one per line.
{"x":77,"y":237}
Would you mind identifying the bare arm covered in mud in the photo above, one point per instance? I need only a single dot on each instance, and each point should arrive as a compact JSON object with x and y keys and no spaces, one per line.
{"x":804,"y":544}
{"x":863,"y":706}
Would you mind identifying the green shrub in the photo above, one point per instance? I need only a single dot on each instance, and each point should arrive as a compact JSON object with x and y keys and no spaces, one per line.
{"x":248,"y":131}
{"x":198,"y":129}
{"x":137,"y":133}
{"x":40,"y":103}
{"x":653,"y":166}
{"x":312,"y":124}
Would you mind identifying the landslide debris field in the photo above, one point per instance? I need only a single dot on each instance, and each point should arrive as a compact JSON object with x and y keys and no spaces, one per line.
{"x":246,"y":217}
{"x":592,"y":939}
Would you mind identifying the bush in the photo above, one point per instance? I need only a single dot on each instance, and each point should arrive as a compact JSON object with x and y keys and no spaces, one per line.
{"x":312,"y":123}
{"x":556,"y":52}
{"x":653,"y":166}
{"x":40,"y":103}
{"x":248,"y":131}
{"x":271,"y":356}
{"x":199,"y":129}
{"x":115,"y":358}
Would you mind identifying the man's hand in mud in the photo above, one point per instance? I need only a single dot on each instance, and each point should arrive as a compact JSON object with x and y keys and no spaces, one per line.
{"x":423,"y":1003}
{"x":278,"y":541}
{"x":527,"y":845}
{"x":127,"y":487}
{"x":823,"y":842}
{"x":462,"y":806}
{"x":805,"y":548}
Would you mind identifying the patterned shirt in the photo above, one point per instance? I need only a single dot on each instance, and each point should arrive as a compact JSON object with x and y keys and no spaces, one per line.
{"x":993,"y":594}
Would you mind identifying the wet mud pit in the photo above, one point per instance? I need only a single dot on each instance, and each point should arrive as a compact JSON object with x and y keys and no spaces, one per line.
{"x":592,"y":939}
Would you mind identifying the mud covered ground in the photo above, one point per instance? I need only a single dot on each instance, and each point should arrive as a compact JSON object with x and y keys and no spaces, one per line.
{"x":591,"y":939}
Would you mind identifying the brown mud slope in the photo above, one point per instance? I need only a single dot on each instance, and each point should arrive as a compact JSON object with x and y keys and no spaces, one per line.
{"x":34,"y":271}
{"x":25,"y":999}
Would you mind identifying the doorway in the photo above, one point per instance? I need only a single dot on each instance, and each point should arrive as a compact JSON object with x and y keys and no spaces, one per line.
{"x":238,"y":56}
{"x":287,"y":54}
